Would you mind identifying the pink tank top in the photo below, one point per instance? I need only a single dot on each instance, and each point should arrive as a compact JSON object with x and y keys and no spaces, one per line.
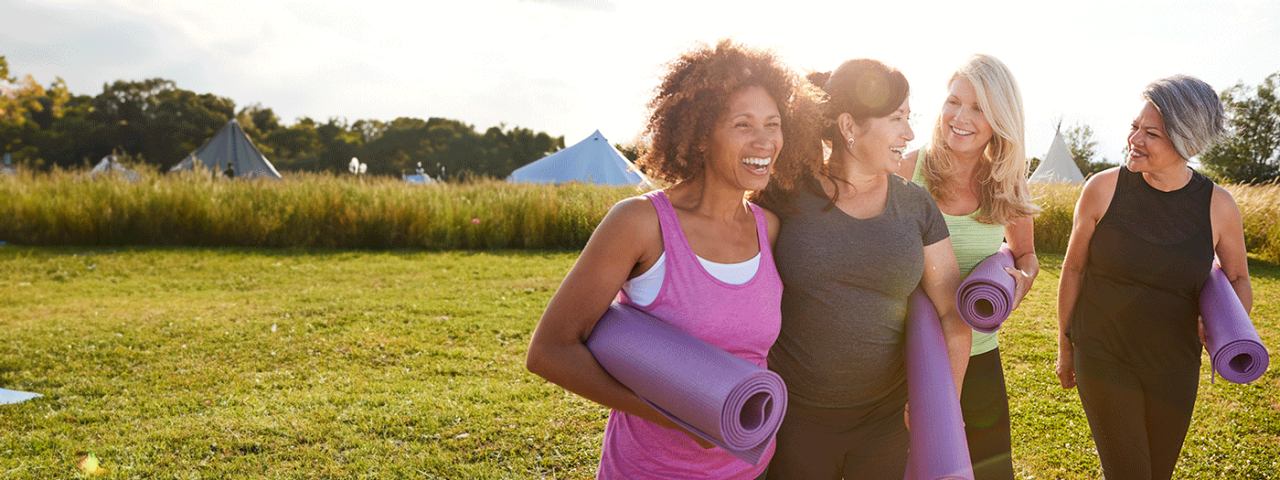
{"x":741,"y":319}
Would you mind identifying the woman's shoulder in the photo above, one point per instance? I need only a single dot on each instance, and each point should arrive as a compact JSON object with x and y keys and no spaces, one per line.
{"x":635,"y":215}
{"x":1222,"y":205}
{"x":905,"y":187}
{"x":1104,"y":180}
{"x":907,"y":169}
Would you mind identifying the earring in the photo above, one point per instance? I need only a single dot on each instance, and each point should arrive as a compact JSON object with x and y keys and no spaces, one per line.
{"x":850,"y":143}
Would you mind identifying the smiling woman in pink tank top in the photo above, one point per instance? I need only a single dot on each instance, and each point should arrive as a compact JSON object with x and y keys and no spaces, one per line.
{"x":695,"y":254}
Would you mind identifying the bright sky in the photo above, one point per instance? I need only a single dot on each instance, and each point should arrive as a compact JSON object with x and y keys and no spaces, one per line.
{"x":569,"y":67}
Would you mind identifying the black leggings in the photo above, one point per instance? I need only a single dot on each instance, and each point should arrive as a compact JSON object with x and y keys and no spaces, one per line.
{"x":1138,"y":420}
{"x":852,"y":443}
{"x":984,"y":402}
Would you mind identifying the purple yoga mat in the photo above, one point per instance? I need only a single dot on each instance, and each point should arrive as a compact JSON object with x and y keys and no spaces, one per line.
{"x":1236,"y":351}
{"x":730,"y":402}
{"x":985,"y":298}
{"x":939,"y":450}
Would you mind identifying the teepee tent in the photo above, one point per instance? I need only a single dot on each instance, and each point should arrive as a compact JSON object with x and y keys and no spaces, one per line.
{"x":1057,"y":166}
{"x":593,"y":160}
{"x":230,"y":147}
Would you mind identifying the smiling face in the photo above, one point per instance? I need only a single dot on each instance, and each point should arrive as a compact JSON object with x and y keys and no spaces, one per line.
{"x":1149,"y":147}
{"x":879,"y":144}
{"x":745,"y":140}
{"x":965,"y":126}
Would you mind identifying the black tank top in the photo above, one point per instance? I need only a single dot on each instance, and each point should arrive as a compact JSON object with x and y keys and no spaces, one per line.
{"x":1149,"y":257}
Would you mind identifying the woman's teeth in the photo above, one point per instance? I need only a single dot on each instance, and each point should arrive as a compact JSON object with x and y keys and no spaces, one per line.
{"x":958,"y":131}
{"x":760,"y":164}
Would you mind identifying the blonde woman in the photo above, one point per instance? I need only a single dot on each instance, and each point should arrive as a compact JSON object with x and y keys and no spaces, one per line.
{"x":975,"y":168}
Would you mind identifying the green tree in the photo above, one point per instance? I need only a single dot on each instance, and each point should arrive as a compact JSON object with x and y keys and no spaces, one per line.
{"x":297,"y":147}
{"x":1080,"y":142}
{"x":340,"y":142}
{"x":1250,"y":153}
{"x":258,"y":122}
{"x":156,"y":120}
{"x":28,"y":114}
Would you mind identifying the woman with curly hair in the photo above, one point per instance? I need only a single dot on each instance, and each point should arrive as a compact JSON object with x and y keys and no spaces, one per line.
{"x":855,"y":241}
{"x":695,"y":254}
{"x":975,"y":167}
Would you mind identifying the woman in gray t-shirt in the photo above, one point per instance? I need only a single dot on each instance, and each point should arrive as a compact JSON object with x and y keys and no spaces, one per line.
{"x":855,"y":241}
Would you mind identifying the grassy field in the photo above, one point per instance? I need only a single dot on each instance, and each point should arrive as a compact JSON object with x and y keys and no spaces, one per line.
{"x":237,"y":363}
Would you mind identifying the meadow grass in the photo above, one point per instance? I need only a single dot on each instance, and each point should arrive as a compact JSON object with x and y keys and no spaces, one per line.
{"x":324,"y":211}
{"x":300,"y":211}
{"x":279,"y":363}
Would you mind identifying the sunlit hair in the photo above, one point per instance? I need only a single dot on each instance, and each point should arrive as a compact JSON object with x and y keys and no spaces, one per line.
{"x":695,"y":93}
{"x":1002,"y":171}
{"x":1192,"y":114}
{"x":862,"y":88}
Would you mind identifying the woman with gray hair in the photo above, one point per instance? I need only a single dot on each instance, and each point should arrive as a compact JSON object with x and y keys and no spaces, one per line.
{"x":1142,"y":245}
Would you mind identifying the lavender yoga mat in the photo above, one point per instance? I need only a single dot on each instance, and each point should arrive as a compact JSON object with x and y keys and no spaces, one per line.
{"x":729,"y":401}
{"x":939,"y":450}
{"x":1236,"y":351}
{"x":985,"y":298}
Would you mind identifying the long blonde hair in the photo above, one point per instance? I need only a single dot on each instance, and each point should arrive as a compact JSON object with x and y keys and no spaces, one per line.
{"x":1002,"y":173}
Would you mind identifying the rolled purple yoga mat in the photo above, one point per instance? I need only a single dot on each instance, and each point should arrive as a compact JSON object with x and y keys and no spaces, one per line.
{"x":729,"y":401}
{"x":939,"y":450}
{"x":1236,"y":351}
{"x":985,"y":298}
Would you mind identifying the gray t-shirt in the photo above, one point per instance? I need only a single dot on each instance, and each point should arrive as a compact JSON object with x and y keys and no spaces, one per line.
{"x":844,"y":303}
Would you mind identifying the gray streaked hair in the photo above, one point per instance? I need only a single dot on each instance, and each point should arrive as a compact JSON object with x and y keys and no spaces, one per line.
{"x":1193,"y":115}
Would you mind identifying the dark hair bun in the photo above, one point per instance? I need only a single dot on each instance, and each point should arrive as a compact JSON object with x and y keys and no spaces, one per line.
{"x":819,"y":78}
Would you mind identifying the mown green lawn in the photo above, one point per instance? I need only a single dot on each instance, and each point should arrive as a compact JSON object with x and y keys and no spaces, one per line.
{"x":225,"y":363}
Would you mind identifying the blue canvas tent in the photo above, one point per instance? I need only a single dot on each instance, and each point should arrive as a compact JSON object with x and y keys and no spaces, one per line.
{"x":593,"y":160}
{"x":231,"y":146}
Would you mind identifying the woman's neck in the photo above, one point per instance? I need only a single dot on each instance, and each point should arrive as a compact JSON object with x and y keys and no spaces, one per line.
{"x":1169,"y":179}
{"x":964,"y":164}
{"x":707,"y":198}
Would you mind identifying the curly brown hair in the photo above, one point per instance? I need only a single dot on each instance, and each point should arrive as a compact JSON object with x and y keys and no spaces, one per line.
{"x":694,"y":94}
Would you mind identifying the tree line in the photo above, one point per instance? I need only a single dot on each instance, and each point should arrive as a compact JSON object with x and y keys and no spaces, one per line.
{"x":154,"y":124}
{"x":1250,"y":153}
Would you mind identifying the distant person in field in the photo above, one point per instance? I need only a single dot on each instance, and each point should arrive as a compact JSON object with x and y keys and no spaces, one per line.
{"x":1141,"y":249}
{"x":856,"y":240}
{"x":696,"y":254}
{"x":975,"y":167}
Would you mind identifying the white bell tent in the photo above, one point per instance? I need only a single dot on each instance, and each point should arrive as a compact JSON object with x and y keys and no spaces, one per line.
{"x":109,"y":165}
{"x":593,"y":160}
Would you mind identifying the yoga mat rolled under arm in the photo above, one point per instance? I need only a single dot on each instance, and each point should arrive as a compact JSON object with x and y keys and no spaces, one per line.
{"x":1236,"y":351}
{"x":939,"y":450}
{"x":985,"y":298}
{"x":729,"y":401}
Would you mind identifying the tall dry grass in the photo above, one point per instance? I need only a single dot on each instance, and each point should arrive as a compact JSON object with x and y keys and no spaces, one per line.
{"x":313,"y":210}
{"x":1259,"y":208}
{"x":303,"y":210}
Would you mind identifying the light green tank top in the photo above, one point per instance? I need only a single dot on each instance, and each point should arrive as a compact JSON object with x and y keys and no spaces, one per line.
{"x":972,"y":241}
